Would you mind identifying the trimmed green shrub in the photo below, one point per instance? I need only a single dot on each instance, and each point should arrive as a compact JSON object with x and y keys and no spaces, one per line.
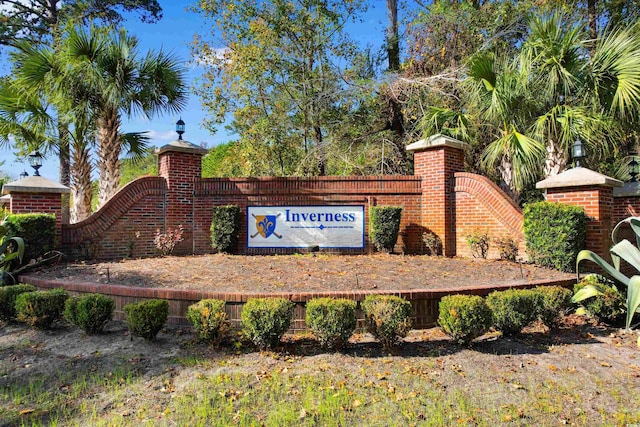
{"x":608,"y":306}
{"x":554,"y":234}
{"x":225,"y":227}
{"x":513,"y":309}
{"x":146,"y":318}
{"x":478,"y":242}
{"x":208,"y":319}
{"x":265,"y":320}
{"x":37,"y":230}
{"x":384,"y":225}
{"x":89,"y":312}
{"x":8,"y":295}
{"x":464,"y":317}
{"x":387,"y":317}
{"x":41,"y":308}
{"x":332,"y":321}
{"x":555,"y":301}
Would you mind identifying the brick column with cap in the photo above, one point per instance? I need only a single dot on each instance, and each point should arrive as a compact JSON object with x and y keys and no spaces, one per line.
{"x":593,"y":192}
{"x":37,"y":194}
{"x":180,"y":163}
{"x":436,"y":160}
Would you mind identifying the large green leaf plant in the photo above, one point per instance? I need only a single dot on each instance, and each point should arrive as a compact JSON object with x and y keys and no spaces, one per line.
{"x":622,"y":249}
{"x":10,"y":249}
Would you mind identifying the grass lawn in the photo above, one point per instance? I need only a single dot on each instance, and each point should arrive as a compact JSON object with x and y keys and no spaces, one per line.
{"x":579,"y":375}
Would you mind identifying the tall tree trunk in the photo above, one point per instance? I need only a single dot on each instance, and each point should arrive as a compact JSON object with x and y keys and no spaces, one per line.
{"x":109,"y":147}
{"x":393,"y":39}
{"x":322,"y":152}
{"x":81,"y":185}
{"x":556,"y":160}
{"x":593,"y":20}
{"x":64,"y":167}
{"x":394,"y":110}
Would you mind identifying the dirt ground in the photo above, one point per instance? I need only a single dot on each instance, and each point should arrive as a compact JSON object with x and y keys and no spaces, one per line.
{"x":300,"y":273}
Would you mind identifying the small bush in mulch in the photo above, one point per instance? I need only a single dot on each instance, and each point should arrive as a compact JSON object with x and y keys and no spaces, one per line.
{"x":513,"y":309}
{"x":145,"y":319}
{"x":209,"y":320}
{"x":387,"y":317}
{"x":8,"y":295}
{"x":265,"y":320}
{"x":41,"y":308}
{"x":89,"y":312}
{"x":464,"y":317}
{"x":225,"y":227}
{"x":332,"y":321}
{"x":608,"y":305}
{"x":555,"y":302}
{"x":384,"y":226}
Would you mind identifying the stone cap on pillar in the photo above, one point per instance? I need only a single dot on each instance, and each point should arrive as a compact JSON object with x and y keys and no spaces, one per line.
{"x":35,"y":184}
{"x":181,"y":146}
{"x":436,"y":141}
{"x":578,"y":177}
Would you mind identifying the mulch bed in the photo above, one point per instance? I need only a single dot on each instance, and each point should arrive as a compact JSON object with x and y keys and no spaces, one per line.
{"x":301,"y":273}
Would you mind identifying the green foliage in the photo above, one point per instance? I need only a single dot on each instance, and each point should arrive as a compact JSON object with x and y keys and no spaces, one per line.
{"x":265,"y":320}
{"x":41,"y":308}
{"x":8,"y":295}
{"x":507,"y":247}
{"x":555,"y":301}
{"x":514,"y":309}
{"x":464,"y":317}
{"x":11,"y":253}
{"x":387,"y":317}
{"x":601,"y":298}
{"x":145,"y":164}
{"x":554,"y":234}
{"x":208,"y":319}
{"x":332,"y":321}
{"x":145,"y":319}
{"x":89,"y":312}
{"x":384,"y":225}
{"x":221,"y":161}
{"x":225,"y":227}
{"x":478,"y":242}
{"x":37,"y":230}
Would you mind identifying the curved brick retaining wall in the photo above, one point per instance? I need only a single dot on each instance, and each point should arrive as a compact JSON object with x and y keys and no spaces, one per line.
{"x":424,"y":302}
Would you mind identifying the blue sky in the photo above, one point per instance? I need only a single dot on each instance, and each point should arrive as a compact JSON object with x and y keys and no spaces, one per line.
{"x":173,"y":33}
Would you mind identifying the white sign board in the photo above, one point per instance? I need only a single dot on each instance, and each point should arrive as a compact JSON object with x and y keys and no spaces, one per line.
{"x":337,"y":227}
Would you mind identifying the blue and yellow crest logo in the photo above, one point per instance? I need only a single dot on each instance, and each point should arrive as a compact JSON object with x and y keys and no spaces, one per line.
{"x":266,"y":226}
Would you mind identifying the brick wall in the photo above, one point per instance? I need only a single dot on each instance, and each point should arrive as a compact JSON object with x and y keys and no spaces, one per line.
{"x":403,"y":191}
{"x":123,"y":227}
{"x":47,"y":203}
{"x":481,"y":205}
{"x":180,"y":170}
{"x":436,"y":167}
{"x":597,"y":202}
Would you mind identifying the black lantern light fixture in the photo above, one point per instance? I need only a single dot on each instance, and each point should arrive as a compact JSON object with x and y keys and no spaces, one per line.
{"x":633,"y":169}
{"x":35,"y":160}
{"x":180,"y":129}
{"x":578,"y":152}
{"x":23,"y":174}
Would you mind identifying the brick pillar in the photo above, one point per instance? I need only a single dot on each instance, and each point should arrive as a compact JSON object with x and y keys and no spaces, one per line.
{"x":37,"y":194}
{"x":593,"y":192}
{"x":180,"y":164}
{"x":436,"y":160}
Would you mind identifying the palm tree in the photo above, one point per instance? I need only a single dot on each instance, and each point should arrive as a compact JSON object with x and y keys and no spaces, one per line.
{"x":115,"y":81}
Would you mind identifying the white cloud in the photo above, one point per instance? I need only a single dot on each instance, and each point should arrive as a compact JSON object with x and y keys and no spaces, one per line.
{"x":154,"y":135}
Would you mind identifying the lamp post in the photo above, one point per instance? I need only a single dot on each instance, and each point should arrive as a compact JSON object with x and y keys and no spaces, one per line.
{"x":633,"y":170}
{"x":35,"y":160}
{"x":578,"y":152}
{"x":180,"y":129}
